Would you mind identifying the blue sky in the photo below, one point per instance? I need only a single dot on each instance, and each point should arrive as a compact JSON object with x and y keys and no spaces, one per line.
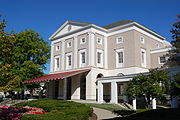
{"x":46,"y":16}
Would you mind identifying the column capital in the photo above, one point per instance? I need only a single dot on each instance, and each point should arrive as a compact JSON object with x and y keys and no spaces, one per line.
{"x":75,"y":37}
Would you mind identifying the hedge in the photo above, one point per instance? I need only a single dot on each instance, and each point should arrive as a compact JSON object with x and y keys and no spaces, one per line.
{"x":58,"y":110}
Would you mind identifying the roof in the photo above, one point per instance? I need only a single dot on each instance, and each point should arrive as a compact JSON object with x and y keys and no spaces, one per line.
{"x":57,"y":76}
{"x":118,"y":23}
{"x":77,"y":22}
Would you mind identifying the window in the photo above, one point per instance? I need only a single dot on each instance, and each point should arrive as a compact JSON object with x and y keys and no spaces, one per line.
{"x":142,"y":39}
{"x":99,"y":40}
{"x":157,"y":45}
{"x":57,"y":47}
{"x":119,"y":40}
{"x":82,"y":40}
{"x":143,"y":57}
{"x":162,"y":60}
{"x":99,"y":58}
{"x":119,"y":58}
{"x":57,"y":63}
{"x":68,"y":60}
{"x":69,"y":44}
{"x":82,"y":58}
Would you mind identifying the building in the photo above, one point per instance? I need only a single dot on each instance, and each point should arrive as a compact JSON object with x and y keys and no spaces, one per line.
{"x":92,"y":62}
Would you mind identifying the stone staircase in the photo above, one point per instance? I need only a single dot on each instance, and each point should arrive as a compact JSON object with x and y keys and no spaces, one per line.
{"x":125,"y":105}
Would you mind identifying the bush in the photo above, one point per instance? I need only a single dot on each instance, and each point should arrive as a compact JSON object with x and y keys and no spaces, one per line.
{"x":58,"y":110}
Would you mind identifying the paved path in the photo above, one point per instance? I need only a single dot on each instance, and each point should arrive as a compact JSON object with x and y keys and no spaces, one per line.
{"x":103,"y":114}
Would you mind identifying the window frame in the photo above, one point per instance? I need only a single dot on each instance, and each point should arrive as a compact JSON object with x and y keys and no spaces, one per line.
{"x":117,"y":58}
{"x":142,"y":39}
{"x":67,"y":60}
{"x":160,"y":59}
{"x":68,"y":46}
{"x":143,"y":63}
{"x":56,"y":68}
{"x":57,"y":47}
{"x":81,"y":42}
{"x":101,"y":58}
{"x":80,"y":58}
{"x":98,"y":38}
{"x":117,"y":40}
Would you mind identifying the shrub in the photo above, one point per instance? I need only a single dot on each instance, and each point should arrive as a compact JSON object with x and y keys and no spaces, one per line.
{"x":58,"y":110}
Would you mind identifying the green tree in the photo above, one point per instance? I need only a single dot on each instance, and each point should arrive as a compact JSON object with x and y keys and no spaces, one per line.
{"x":175,"y":53}
{"x":22,"y":57}
{"x":151,"y":85}
{"x":175,"y":85}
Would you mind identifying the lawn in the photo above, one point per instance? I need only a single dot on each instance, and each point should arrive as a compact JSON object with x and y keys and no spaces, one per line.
{"x":110,"y":107}
{"x":57,"y":110}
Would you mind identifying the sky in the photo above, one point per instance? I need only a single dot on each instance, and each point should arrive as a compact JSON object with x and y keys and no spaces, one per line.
{"x":46,"y":16}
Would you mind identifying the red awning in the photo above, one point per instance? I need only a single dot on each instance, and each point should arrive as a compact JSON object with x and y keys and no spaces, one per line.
{"x":56,"y":76}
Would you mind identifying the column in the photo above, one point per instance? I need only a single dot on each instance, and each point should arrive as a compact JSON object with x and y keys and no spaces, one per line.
{"x":100,"y":92}
{"x":114,"y":97}
{"x":91,"y":48}
{"x":52,"y":58}
{"x":75,"y":51}
{"x":65,"y":89}
{"x":134,"y":103}
{"x":174,"y":102}
{"x":105,"y":53}
{"x":154,"y":103}
{"x":63,"y":55}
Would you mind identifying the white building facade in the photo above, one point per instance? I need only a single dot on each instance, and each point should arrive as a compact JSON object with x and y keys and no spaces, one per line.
{"x":110,"y":56}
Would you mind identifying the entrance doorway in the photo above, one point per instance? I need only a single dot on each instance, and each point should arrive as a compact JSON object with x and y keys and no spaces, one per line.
{"x":83,"y":87}
{"x":69,"y":88}
{"x":56,"y":88}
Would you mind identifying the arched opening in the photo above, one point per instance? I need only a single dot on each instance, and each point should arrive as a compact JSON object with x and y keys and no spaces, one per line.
{"x":83,"y":87}
{"x":98,"y":76}
{"x":120,"y":74}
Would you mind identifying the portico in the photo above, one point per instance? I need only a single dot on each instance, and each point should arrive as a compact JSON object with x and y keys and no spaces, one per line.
{"x":117,"y":86}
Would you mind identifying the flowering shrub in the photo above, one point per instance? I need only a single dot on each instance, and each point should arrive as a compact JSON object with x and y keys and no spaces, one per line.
{"x":15,"y":113}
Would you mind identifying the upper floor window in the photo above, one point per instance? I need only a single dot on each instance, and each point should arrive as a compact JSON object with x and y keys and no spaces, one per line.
{"x":82,"y":58}
{"x":82,"y":40}
{"x":57,"y":63}
{"x":119,"y":58}
{"x":69,"y":44}
{"x":99,"y":40}
{"x":162,"y":60}
{"x":143,"y":57}
{"x":99,"y":58}
{"x":157,"y":45}
{"x":57,"y":47}
{"x":68,"y":60}
{"x":119,"y":39}
{"x":142,"y":39}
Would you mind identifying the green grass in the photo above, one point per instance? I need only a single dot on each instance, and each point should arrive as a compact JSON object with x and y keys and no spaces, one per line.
{"x":110,"y":107}
{"x":58,"y":110}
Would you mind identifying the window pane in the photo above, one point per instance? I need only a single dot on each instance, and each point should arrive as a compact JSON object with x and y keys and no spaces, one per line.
{"x":142,"y":56}
{"x":69,"y":60}
{"x":83,"y":57}
{"x":162,"y":59}
{"x":57,"y":62}
{"x":98,"y":57}
{"x":120,"y":57}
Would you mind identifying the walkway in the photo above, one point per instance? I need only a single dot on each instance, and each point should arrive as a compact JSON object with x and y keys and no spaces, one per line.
{"x":103,"y":114}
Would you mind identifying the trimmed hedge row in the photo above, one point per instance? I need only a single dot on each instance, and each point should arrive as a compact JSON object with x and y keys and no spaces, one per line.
{"x":58,"y":110}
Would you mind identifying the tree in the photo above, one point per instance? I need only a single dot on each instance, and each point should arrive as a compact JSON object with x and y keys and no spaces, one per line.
{"x":175,"y":53}
{"x":151,"y":85}
{"x":22,"y":57}
{"x":175,"y":85}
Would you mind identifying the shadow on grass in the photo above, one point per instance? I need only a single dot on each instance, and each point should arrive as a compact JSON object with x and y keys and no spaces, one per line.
{"x":158,"y":114}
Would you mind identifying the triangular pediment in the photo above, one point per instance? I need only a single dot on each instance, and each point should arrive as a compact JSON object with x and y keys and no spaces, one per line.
{"x":68,"y":27}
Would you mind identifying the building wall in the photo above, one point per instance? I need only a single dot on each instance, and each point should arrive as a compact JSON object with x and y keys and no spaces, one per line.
{"x":127,"y":45}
